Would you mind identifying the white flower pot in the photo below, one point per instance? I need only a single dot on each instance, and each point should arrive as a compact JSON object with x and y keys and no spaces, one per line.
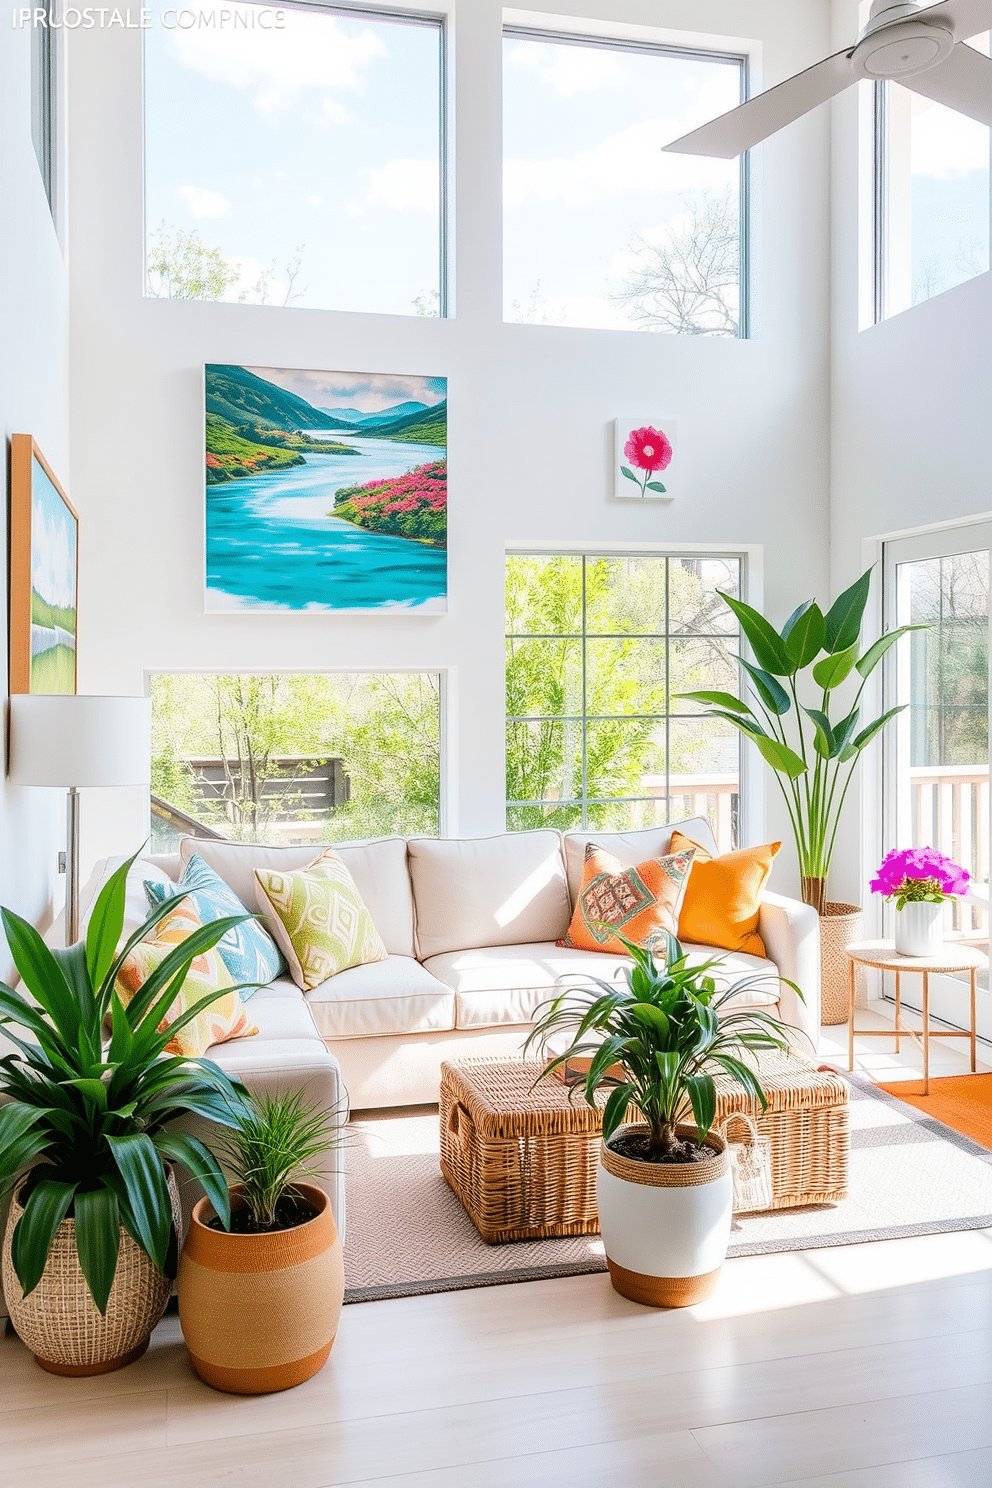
{"x":665,"y":1226}
{"x":918,"y":929}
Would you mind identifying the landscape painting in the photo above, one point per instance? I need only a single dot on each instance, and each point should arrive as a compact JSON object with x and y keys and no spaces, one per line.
{"x":43,"y":576}
{"x":325,"y":490}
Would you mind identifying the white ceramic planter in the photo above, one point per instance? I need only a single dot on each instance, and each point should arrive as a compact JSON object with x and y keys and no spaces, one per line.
{"x":665,"y":1227}
{"x":918,"y":929}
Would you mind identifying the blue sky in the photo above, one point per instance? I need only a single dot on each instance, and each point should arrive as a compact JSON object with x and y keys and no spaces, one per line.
{"x":367,"y":392}
{"x":324,"y":134}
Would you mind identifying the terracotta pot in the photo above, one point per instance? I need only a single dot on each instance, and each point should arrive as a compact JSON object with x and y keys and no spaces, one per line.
{"x":259,"y":1312}
{"x":665,"y":1226}
{"x":59,"y":1321}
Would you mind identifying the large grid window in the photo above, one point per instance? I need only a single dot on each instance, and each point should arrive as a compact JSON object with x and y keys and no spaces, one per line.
{"x":600,"y":229}
{"x":296,"y":157}
{"x":597,"y":647}
{"x":933,"y":196}
{"x":294,"y":757}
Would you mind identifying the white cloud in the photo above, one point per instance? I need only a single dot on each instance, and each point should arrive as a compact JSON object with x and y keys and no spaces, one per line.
{"x":567,"y":70}
{"x":203,"y":203}
{"x":629,"y":160}
{"x":400,"y":185}
{"x":53,"y":562}
{"x":312,"y":52}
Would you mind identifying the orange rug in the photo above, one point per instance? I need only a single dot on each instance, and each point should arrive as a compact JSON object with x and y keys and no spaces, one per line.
{"x":963,"y":1102}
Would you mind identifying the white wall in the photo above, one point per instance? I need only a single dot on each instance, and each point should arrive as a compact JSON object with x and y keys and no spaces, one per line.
{"x":33,"y":400}
{"x":911,"y":404}
{"x":753,"y":415}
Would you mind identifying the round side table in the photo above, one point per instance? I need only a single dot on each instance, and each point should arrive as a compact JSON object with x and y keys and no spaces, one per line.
{"x":882,"y":955}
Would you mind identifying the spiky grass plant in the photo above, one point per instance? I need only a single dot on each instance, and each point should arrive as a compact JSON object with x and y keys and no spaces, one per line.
{"x":274,"y":1141}
{"x":661,"y":1026}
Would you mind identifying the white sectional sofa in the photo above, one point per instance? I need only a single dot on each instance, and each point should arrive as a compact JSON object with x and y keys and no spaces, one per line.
{"x":470,"y":927}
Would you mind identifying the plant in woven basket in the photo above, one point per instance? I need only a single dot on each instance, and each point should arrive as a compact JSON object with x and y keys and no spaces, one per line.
{"x":813,"y":755}
{"x":90,"y":1116}
{"x":654,"y":1039}
{"x":269,"y":1151}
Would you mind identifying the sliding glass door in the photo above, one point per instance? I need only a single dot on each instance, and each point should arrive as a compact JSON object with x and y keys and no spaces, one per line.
{"x":937,"y":762}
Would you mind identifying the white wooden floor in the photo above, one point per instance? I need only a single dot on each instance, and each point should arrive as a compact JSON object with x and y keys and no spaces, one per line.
{"x":863,"y":1366}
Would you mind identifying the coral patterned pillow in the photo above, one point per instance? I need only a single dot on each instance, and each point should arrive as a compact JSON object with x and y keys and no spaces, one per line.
{"x":224,"y":1019}
{"x":319,"y":919}
{"x":723,"y":896}
{"x":640,"y":902}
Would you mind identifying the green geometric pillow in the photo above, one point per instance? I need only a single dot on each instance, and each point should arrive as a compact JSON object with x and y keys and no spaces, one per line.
{"x":319,"y":920}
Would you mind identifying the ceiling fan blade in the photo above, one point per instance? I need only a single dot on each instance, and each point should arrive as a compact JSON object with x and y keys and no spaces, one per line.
{"x":734,"y":132}
{"x":965,"y":17}
{"x":963,"y":81}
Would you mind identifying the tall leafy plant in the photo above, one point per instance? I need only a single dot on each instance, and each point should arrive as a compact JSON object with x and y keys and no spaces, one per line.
{"x":793,"y":687}
{"x":91,"y":1115}
{"x":655,"y":1039}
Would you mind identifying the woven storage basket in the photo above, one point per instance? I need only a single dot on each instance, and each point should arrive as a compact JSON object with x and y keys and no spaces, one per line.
{"x":59,"y":1321}
{"x":522,"y":1159}
{"x":840,"y":926}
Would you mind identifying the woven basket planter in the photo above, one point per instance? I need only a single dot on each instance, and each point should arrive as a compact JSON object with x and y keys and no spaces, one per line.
{"x":260,"y":1312}
{"x":665,"y":1226}
{"x":59,"y":1321}
{"x":839,"y":927}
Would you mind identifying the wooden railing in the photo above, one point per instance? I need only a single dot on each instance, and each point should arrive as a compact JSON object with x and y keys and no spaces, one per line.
{"x":950,"y":811}
{"x":715,"y":797}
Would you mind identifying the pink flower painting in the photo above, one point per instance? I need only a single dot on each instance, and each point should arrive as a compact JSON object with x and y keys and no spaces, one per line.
{"x":647,"y":449}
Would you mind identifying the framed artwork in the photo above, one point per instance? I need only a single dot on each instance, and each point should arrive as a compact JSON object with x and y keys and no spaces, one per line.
{"x":44,"y":575}
{"x":646,"y":459}
{"x":325,"y":491}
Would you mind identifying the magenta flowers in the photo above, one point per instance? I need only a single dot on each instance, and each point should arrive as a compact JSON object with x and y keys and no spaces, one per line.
{"x":649,"y":450}
{"x":915,"y":874}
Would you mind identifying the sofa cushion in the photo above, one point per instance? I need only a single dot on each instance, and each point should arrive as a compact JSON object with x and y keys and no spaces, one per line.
{"x":487,"y":891}
{"x":248,"y":950}
{"x":396,"y":996}
{"x":631,"y":847}
{"x":505,"y":984}
{"x":378,"y":868}
{"x":319,"y":919}
{"x":639,"y":903}
{"x":286,"y":1033}
{"x":723,"y":896}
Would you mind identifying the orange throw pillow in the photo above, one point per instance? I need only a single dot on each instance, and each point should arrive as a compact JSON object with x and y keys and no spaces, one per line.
{"x":639,"y":902}
{"x":723,"y":896}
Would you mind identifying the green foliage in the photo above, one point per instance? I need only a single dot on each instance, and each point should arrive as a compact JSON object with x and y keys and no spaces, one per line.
{"x":180,"y":266}
{"x":385,"y":727}
{"x":49,"y":615}
{"x":661,"y":1027}
{"x":91,"y":1116}
{"x":275,"y":1140}
{"x":813,"y":756}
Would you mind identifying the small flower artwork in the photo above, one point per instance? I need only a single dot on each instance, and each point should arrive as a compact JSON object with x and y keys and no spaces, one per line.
{"x":645,"y":459}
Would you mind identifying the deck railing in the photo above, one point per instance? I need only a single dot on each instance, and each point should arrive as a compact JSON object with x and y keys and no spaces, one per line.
{"x":950,"y":811}
{"x":715,"y":797}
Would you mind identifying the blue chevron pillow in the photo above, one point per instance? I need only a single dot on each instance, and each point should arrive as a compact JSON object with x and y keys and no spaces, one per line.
{"x":248,"y":950}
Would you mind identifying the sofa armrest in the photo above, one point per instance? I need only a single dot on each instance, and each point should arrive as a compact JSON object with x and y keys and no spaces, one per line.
{"x":791,"y":933}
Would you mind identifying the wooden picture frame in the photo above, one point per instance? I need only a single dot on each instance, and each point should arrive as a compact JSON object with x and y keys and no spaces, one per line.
{"x":44,"y":575}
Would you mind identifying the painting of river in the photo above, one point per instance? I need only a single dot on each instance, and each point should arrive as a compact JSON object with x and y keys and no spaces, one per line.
{"x":325,"y":491}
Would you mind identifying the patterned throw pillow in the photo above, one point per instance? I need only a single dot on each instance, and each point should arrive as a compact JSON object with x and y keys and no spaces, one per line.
{"x":250,"y":954}
{"x":319,"y":919}
{"x":639,"y":902}
{"x":224,"y":1019}
{"x":723,"y":896}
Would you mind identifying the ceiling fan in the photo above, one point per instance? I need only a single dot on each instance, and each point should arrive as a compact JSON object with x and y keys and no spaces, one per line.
{"x":921,"y":48}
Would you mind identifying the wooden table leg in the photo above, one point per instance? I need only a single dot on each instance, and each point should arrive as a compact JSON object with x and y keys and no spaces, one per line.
{"x":974,"y":1031}
{"x":898,"y":976}
{"x":926,"y":1033}
{"x":850,"y":1018}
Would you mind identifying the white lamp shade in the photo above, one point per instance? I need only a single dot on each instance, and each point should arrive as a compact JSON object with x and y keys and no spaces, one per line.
{"x":76,"y":741}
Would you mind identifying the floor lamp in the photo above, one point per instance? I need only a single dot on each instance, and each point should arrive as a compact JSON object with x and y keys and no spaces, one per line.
{"x":74,"y":742}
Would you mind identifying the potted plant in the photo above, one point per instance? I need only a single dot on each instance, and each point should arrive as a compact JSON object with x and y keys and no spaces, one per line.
{"x":655,"y":1038}
{"x":793,"y":684}
{"x":260,"y":1289}
{"x":920,"y":880}
{"x":91,"y":1244}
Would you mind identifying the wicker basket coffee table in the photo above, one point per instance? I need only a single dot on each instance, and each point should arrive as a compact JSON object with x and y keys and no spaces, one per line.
{"x":522,"y":1158}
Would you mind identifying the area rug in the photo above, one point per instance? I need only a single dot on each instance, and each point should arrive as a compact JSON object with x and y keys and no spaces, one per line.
{"x":407,"y":1233}
{"x":963,"y":1102}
